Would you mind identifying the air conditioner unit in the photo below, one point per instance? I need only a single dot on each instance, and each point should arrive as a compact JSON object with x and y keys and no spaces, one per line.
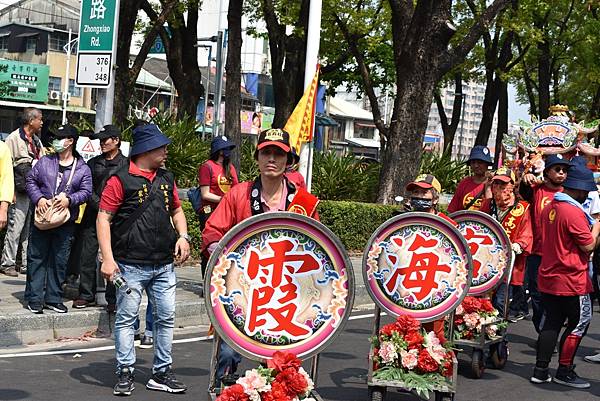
{"x":54,"y":95}
{"x":67,"y":94}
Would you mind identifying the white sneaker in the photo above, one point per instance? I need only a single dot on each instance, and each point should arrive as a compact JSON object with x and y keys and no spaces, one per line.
{"x":592,"y":358}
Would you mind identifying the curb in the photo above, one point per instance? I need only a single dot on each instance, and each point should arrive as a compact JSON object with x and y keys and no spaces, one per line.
{"x":28,"y":329}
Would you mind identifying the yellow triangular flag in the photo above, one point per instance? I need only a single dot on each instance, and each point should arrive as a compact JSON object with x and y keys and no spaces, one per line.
{"x":301,"y":123}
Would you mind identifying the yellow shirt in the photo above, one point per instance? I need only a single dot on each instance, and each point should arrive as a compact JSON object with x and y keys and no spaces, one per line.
{"x":7,"y":183}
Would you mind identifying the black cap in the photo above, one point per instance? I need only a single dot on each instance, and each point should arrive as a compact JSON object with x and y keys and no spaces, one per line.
{"x":108,"y":131}
{"x":66,"y":131}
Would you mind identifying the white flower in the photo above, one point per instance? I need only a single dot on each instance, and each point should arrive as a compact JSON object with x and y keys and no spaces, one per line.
{"x":387,"y":352}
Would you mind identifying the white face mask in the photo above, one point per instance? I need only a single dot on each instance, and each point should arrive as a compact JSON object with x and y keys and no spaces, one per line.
{"x":59,"y":145}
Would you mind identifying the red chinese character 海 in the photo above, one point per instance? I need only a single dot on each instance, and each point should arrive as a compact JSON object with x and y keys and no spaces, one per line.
{"x":274,"y":289}
{"x":474,"y":240}
{"x":421,"y":270}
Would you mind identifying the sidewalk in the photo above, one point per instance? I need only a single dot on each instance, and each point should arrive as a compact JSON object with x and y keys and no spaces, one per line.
{"x":20,"y":327}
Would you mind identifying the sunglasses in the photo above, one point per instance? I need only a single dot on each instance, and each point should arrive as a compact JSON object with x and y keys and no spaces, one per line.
{"x":558,"y":169}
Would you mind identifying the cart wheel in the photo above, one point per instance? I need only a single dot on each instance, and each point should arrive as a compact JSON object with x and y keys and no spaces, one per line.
{"x":444,"y":396}
{"x":499,"y":354}
{"x":377,"y":393}
{"x":477,"y":364}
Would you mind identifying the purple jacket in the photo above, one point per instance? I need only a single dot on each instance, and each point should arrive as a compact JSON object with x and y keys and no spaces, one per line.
{"x":41,"y":182}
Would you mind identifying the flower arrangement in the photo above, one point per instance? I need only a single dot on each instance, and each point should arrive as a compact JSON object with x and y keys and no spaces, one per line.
{"x":283,"y":379}
{"x":474,"y":316}
{"x":403,"y":351}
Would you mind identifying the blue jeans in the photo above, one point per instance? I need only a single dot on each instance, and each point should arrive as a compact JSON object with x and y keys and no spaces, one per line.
{"x":47,"y":257}
{"x":149,"y":321}
{"x":499,"y":297}
{"x":227,"y":363}
{"x":533,"y":265}
{"x":159,"y":282}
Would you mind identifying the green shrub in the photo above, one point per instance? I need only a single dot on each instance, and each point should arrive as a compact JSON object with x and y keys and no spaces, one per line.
{"x":344,"y":178}
{"x":249,"y":167}
{"x":354,"y":222}
{"x":448,"y":172}
{"x":193,"y":228}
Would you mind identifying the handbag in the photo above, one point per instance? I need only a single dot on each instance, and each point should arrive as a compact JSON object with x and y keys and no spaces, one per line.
{"x":195,"y":195}
{"x":53,"y":217}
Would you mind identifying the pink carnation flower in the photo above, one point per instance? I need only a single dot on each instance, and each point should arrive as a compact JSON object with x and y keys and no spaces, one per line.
{"x":472,"y":320}
{"x":409,"y":358}
{"x":252,"y":381}
{"x":387,"y":352}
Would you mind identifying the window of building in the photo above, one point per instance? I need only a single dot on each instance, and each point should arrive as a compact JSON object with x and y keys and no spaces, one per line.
{"x":31,"y":44}
{"x":4,"y":43}
{"x":54,"y":84}
{"x":74,"y":91}
{"x":364,"y":130}
{"x":57,"y":43}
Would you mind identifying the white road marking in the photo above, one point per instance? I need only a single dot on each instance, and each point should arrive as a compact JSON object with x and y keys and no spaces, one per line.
{"x":110,"y":347}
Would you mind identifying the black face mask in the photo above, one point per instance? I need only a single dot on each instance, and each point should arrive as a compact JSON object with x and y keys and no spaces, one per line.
{"x":421,"y":204}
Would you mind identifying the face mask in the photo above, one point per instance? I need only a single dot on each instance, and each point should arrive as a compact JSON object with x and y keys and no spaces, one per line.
{"x":59,"y":145}
{"x":421,"y":205}
{"x":226,"y":153}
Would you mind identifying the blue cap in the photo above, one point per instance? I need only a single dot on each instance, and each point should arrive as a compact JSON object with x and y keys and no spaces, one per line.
{"x":480,"y":152}
{"x":220,"y":143}
{"x":580,"y":177}
{"x":146,"y":138}
{"x":552,"y":160}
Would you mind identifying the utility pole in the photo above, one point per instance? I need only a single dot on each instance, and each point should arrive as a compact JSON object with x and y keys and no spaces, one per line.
{"x":219,"y":85}
{"x":65,"y":94}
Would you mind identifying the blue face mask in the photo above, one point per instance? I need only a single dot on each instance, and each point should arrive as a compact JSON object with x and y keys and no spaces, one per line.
{"x":421,"y":205}
{"x":58,"y":145}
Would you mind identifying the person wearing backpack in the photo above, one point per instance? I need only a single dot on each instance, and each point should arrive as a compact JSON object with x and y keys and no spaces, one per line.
{"x":216,"y":177}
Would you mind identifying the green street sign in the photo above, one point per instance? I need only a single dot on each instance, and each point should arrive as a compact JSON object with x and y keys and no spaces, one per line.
{"x":97,"y":25}
{"x":25,"y":81}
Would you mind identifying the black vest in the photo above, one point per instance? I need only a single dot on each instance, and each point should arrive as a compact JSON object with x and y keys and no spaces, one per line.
{"x":151,"y":238}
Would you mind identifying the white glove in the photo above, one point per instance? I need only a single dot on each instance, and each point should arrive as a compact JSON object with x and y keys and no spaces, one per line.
{"x":517,"y":248}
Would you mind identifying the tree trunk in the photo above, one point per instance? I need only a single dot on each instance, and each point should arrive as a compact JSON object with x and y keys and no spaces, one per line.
{"x":488,"y":110}
{"x":233,"y":83}
{"x":449,"y":129}
{"x":123,"y":91}
{"x":502,"y":119}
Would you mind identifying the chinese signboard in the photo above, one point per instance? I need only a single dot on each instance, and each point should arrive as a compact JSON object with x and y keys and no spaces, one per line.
{"x":279,"y":282}
{"x":417,"y":264}
{"x":489,"y":246}
{"x":97,"y":33}
{"x":25,"y":81}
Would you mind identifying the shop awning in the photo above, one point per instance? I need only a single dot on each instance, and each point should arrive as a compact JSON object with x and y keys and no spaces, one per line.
{"x":324,"y":120}
{"x":41,"y":106}
{"x":363,"y":142}
{"x":27,"y":34}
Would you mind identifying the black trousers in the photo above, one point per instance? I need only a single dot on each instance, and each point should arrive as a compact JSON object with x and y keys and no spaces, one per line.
{"x":577,"y":311}
{"x":87,"y":261}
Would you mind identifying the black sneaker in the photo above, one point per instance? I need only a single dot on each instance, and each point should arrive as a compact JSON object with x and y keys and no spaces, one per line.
{"x":146,"y":342}
{"x":514,"y":318}
{"x":165,"y":381}
{"x":35,"y":307}
{"x":540,"y":375}
{"x":125,"y":384}
{"x":566,"y":376}
{"x":58,"y":307}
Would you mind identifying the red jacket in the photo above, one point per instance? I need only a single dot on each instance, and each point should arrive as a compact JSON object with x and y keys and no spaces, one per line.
{"x":235,"y":208}
{"x":522,"y":234}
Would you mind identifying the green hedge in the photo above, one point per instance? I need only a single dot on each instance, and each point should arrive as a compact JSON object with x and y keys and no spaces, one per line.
{"x":353,"y":222}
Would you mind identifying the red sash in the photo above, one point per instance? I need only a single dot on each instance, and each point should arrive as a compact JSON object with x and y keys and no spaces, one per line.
{"x":304,"y":203}
{"x":513,"y":219}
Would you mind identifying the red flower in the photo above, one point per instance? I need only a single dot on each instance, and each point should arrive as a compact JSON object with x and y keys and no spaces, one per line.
{"x":293,"y":381}
{"x":414,"y":340}
{"x":471,"y":304}
{"x":388,"y":329}
{"x":448,"y":366}
{"x":486,"y":305}
{"x":426,"y":363}
{"x":458,"y":319}
{"x":233,"y":393}
{"x":283,"y":360}
{"x":406,"y":324}
{"x":278,"y":392}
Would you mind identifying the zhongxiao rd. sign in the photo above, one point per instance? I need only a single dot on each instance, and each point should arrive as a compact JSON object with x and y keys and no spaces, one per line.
{"x":97,"y":24}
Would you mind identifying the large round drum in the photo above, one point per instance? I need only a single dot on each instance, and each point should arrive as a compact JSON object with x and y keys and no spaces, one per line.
{"x":417,"y":264}
{"x":490,"y":248}
{"x":279,"y":282}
